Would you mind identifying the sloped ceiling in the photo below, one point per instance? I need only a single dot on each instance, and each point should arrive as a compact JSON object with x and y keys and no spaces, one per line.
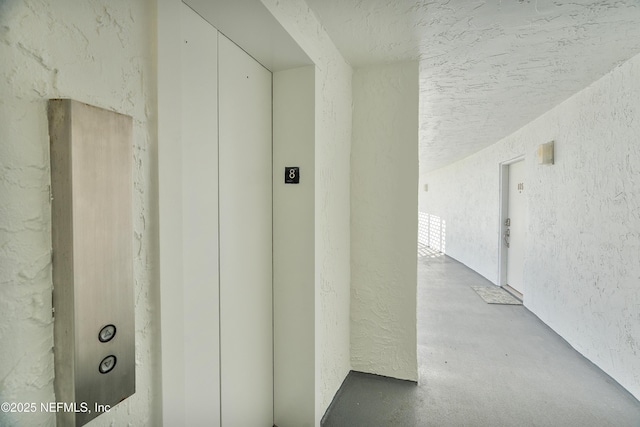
{"x":487,"y":68}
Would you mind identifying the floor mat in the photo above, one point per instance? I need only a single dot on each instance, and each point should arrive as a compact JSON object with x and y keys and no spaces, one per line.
{"x":495,"y":295}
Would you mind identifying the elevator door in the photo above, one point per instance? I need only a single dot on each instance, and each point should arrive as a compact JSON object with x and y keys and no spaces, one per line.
{"x":199,"y":100}
{"x":245,"y":201}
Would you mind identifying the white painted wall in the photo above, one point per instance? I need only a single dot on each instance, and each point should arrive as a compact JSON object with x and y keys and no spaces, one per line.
{"x":293,"y":248}
{"x":581,"y":261}
{"x":384,"y":220}
{"x":332,"y":197}
{"x":466,"y":209}
{"x":98,"y":53}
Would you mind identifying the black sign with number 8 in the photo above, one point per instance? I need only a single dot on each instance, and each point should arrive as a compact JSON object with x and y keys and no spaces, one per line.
{"x":291,"y":175}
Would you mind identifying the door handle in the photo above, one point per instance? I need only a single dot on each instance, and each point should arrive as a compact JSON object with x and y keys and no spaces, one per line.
{"x":506,"y":237}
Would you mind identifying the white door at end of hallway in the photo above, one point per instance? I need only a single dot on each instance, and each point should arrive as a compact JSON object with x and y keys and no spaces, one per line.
{"x":515,"y":228}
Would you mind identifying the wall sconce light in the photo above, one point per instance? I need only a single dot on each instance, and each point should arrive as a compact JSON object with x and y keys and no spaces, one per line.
{"x":545,"y":153}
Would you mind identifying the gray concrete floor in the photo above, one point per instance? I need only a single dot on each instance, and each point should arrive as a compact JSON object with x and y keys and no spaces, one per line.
{"x":483,"y":365}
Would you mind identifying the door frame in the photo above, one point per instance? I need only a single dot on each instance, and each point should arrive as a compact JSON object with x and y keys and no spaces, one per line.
{"x":503,"y":215}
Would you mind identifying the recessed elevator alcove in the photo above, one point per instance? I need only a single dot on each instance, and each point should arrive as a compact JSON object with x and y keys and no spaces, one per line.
{"x":236,"y":244}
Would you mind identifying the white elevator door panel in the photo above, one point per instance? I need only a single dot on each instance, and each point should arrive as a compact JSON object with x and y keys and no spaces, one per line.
{"x":200,"y":220}
{"x":517,"y":228}
{"x":246,"y":316}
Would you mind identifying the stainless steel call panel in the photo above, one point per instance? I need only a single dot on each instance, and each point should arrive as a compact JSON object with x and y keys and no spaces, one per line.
{"x":92,"y":235}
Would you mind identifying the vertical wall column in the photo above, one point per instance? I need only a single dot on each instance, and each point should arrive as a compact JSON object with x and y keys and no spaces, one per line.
{"x":384,"y":220}
{"x":293,"y":247}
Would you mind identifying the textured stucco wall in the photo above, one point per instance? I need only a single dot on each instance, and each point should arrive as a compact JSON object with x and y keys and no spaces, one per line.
{"x":463,"y":213}
{"x":583,"y":239}
{"x":98,"y":52}
{"x":384,"y":221}
{"x":332,"y":172}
